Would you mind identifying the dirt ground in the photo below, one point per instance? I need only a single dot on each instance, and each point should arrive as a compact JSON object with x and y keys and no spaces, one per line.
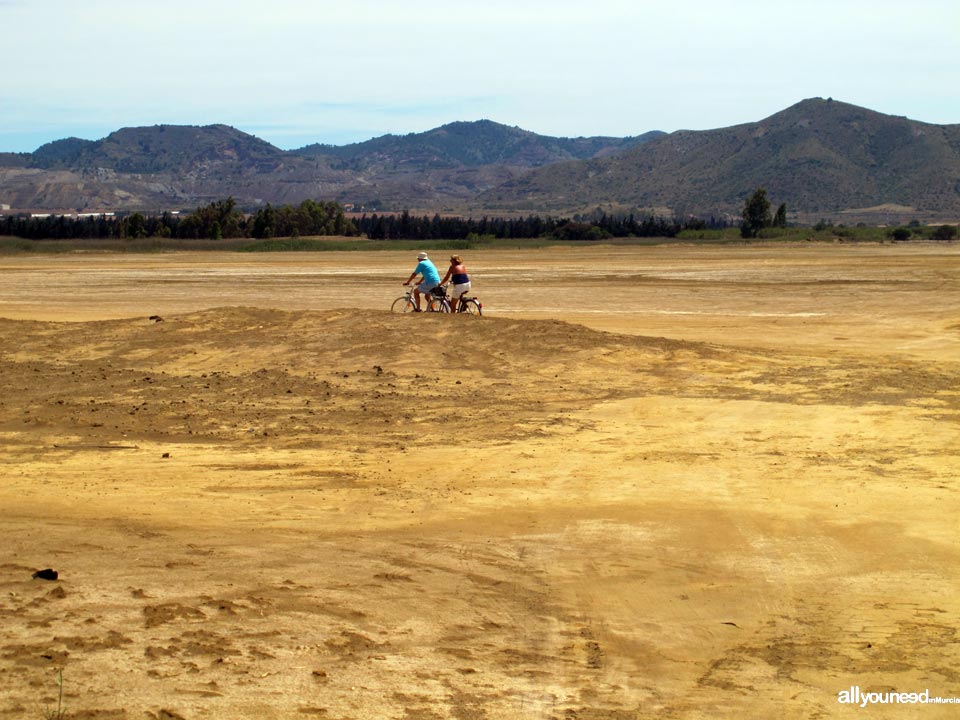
{"x":665,"y":482}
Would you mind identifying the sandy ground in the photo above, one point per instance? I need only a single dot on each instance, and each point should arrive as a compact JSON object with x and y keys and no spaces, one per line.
{"x":651,"y":482}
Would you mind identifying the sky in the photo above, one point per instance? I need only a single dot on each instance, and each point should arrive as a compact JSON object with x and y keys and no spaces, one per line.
{"x":296,"y":72}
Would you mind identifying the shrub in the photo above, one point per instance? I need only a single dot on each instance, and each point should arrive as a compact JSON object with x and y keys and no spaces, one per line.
{"x":945,"y":232}
{"x":579,"y":231}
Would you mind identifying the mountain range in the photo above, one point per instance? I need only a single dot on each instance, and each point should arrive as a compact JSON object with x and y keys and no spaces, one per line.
{"x":823,"y":158}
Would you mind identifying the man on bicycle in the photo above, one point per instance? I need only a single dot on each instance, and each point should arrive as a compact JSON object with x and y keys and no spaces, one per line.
{"x":430,"y":278}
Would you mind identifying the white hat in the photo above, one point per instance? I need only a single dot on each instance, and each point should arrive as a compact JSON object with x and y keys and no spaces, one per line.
{"x":421,"y":256}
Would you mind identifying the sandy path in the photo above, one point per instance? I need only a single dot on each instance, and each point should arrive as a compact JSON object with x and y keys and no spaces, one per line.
{"x":722,"y":511}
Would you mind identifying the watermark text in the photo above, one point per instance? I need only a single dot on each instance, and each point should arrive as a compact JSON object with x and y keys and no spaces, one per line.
{"x":855,"y":696}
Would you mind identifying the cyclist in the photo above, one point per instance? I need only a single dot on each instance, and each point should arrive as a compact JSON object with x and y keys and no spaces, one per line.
{"x":430,"y":278}
{"x":461,"y":281}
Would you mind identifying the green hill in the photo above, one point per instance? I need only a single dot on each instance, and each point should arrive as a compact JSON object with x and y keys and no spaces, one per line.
{"x":819,"y":156}
{"x":161,"y":148}
{"x":471,"y":144}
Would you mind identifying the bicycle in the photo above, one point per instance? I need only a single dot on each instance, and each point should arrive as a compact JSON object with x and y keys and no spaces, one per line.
{"x":464,"y":304}
{"x":434,"y":303}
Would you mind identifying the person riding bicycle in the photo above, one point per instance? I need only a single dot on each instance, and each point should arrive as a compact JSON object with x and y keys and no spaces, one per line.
{"x":461,"y":281}
{"x":430,"y":278}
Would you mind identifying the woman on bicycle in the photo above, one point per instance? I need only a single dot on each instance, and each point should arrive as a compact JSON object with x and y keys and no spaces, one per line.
{"x":461,"y":281}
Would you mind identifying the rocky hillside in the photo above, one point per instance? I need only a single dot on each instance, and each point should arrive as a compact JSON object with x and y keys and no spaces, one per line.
{"x":819,"y":157}
{"x":822,"y":158}
{"x":174,"y":149}
{"x":471,"y":144}
{"x":167,"y":166}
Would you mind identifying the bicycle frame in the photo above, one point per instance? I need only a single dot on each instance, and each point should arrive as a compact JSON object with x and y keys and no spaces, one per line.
{"x":406,"y":303}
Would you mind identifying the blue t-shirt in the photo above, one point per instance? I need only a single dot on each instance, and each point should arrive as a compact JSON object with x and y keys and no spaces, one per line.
{"x":429,"y":272}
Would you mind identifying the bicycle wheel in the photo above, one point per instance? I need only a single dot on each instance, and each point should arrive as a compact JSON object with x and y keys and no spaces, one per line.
{"x":402,"y":305}
{"x":438,"y":305}
{"x":472,"y":307}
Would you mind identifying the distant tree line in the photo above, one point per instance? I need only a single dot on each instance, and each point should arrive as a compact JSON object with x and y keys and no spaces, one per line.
{"x":597,"y":227}
{"x":223,"y":219}
{"x":216,"y":221}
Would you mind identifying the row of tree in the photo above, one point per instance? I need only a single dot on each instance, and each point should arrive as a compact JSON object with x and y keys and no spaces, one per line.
{"x":222,"y":219}
{"x":216,"y":221}
{"x":410,"y":227}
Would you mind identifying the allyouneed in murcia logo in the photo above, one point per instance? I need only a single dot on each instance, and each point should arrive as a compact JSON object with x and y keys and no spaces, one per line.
{"x":856,"y":696}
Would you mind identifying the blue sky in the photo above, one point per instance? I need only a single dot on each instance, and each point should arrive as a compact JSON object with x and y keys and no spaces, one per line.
{"x":295,"y":73}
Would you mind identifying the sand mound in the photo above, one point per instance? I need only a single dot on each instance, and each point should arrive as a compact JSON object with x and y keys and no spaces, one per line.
{"x":305,"y":378}
{"x":302,"y":377}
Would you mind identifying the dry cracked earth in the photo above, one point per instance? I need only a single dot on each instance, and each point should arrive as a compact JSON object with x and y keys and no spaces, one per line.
{"x":343,"y":513}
